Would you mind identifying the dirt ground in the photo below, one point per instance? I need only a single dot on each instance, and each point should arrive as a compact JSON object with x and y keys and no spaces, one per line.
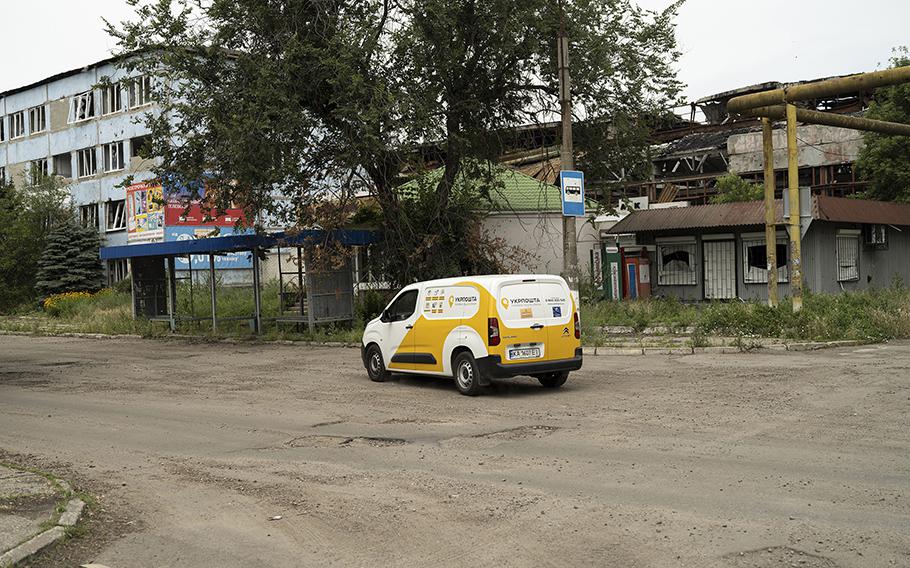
{"x":755,"y":460}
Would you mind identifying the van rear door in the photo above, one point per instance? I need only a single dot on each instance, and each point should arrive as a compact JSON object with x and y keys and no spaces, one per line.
{"x":521,"y":310}
{"x":558,"y":317}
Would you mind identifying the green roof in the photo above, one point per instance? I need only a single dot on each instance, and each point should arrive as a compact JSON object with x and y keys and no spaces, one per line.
{"x":514,"y":192}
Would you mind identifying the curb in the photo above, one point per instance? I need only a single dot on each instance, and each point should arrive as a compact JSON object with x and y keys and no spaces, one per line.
{"x":586,"y":350}
{"x":32,"y":546}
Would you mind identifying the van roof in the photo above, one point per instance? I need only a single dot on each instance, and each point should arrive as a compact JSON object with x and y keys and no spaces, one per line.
{"x":488,"y":281}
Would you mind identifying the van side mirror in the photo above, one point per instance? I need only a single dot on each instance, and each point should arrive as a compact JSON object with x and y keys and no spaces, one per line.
{"x":384,"y":317}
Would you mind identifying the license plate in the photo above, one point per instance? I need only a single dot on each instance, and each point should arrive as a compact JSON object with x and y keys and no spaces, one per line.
{"x":524,"y":353}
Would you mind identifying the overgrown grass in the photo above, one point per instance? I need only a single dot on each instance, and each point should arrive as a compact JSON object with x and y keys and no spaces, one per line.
{"x":873,"y":315}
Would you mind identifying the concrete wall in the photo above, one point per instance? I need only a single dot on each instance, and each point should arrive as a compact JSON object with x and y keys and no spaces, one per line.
{"x":540,"y":236}
{"x":818,"y":146}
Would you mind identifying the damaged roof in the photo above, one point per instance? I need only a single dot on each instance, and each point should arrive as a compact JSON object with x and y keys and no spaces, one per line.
{"x":752,"y":213}
{"x":847,"y":210}
{"x":696,"y":217}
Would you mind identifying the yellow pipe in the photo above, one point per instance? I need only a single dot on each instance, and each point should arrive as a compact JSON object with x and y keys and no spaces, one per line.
{"x":820,"y":89}
{"x":831,"y":119}
{"x":770,"y":212}
{"x":796,"y":261}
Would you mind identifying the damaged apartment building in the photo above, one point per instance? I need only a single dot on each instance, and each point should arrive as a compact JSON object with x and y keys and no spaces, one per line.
{"x":88,"y":135}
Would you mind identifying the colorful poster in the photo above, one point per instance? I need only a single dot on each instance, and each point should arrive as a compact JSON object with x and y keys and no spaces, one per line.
{"x":201,"y":261}
{"x":144,"y":213}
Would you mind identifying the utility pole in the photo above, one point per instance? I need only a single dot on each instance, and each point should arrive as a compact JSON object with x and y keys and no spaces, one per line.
{"x":796,"y":257}
{"x":566,"y":159}
{"x":770,"y":211}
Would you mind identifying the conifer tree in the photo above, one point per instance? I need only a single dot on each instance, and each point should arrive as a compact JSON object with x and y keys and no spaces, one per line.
{"x":70,"y":261}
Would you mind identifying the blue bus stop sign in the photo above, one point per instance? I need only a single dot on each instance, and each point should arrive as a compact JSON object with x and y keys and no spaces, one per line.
{"x":572,"y":184}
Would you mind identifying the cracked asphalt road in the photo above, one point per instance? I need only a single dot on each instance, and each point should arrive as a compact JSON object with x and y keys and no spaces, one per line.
{"x":764,"y":459}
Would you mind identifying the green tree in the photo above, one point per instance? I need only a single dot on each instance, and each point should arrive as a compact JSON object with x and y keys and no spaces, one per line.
{"x":732,"y":188}
{"x":70,"y":262}
{"x":319,"y":100}
{"x":884,"y":160}
{"x":27,"y":215}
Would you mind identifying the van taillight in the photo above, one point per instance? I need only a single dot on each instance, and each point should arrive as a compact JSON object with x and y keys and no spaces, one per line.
{"x":577,"y":328}
{"x":493,"y":332}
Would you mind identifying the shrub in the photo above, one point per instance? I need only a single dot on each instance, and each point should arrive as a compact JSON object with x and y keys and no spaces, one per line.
{"x":64,"y":303}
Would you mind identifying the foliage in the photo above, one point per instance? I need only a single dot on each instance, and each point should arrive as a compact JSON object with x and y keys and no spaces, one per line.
{"x":885,"y":160}
{"x":70,"y":261}
{"x":731,"y":189}
{"x":319,"y":101}
{"x":371,"y":305}
{"x":55,"y":304}
{"x":27,"y":215}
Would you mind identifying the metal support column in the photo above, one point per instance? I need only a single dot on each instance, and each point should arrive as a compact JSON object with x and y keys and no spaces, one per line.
{"x":212,"y":291}
{"x":796,"y":259}
{"x":770,"y":212}
{"x":257,"y":296}
{"x":171,"y":293}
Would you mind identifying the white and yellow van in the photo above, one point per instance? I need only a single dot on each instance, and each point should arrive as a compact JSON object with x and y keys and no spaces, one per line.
{"x":478,"y":328}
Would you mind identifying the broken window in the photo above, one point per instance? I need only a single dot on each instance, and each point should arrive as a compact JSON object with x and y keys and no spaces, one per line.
{"x":111,"y":99}
{"x":87,"y":162}
{"x":63,"y":165}
{"x":17,"y":124}
{"x":755,"y":260}
{"x":113,"y":157}
{"x":2,"y":128}
{"x":83,"y":106}
{"x":140,"y":91}
{"x":2,"y":175}
{"x":876,"y":236}
{"x":117,"y":270}
{"x":88,"y":215}
{"x":37,"y":169}
{"x":37,"y":119}
{"x":138,"y":145}
{"x":847,"y":255}
{"x":115,"y":215}
{"x":676,"y":264}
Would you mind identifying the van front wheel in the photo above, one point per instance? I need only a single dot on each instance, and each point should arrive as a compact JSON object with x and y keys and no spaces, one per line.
{"x":553,"y":380}
{"x":375,"y":366}
{"x":467,"y":374}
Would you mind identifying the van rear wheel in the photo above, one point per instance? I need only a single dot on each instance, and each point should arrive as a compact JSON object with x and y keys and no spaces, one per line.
{"x":375,"y":366}
{"x":467,"y":374}
{"x":553,"y":380}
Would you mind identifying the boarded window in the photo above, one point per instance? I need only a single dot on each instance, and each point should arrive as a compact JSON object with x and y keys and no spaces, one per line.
{"x":847,"y":257}
{"x":755,"y":260}
{"x":676,"y":264}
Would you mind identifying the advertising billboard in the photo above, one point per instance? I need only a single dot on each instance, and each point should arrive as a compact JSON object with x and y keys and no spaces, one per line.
{"x":201,"y":261}
{"x":144,"y":213}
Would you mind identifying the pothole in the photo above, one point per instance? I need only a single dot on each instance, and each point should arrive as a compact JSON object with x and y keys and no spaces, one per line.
{"x":326,"y":441}
{"x":518,"y":434}
{"x":776,"y":556}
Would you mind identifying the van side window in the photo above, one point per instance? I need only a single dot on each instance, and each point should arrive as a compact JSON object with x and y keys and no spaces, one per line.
{"x":403,"y":306}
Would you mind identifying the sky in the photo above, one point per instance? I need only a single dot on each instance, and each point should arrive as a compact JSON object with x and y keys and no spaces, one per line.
{"x":726,"y":44}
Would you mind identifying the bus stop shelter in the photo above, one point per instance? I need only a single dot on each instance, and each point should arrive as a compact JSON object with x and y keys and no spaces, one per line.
{"x":329,"y":294}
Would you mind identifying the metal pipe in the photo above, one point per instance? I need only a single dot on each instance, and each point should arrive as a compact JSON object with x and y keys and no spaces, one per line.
{"x":770,"y":212}
{"x":257,"y":297}
{"x":832,"y":119}
{"x":796,"y":270}
{"x":212,"y":291}
{"x":820,"y":89}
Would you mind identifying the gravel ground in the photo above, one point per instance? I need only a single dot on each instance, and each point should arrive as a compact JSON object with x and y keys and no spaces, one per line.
{"x":753,"y":460}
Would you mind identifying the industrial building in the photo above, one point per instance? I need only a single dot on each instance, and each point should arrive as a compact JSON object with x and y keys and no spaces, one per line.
{"x":69,"y":126}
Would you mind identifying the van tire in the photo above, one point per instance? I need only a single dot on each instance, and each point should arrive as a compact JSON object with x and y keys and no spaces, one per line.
{"x":375,"y":366}
{"x":466,"y":373}
{"x":553,"y":380}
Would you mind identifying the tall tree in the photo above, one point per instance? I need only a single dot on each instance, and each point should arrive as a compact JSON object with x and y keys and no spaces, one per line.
{"x":320,"y":99}
{"x":884,"y":160}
